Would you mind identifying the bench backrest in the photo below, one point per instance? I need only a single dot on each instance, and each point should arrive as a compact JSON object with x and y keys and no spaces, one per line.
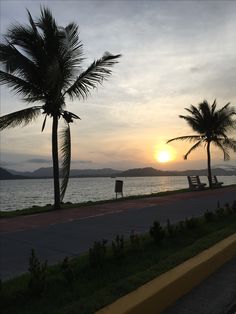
{"x":214,"y":179}
{"x":194,"y":180}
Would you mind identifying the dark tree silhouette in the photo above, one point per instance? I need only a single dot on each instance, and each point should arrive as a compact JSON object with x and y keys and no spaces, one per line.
{"x":212,"y":126}
{"x":43,"y":63}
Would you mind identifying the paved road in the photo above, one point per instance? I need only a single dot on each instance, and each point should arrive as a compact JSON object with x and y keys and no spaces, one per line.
{"x":216,"y":295}
{"x":53,"y":241}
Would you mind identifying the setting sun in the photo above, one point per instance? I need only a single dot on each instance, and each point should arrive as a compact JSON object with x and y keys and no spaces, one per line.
{"x":163,"y":156}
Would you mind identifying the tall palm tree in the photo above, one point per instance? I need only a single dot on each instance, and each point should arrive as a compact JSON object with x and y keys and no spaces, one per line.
{"x":43,"y":63}
{"x":211,"y":126}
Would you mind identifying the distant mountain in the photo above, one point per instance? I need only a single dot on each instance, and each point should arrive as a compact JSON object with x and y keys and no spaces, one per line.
{"x":225,"y":167}
{"x":108,"y":172}
{"x":6,"y":175}
{"x":105,"y":172}
{"x":203,"y":172}
{"x":43,"y":173}
{"x":21,"y":173}
{"x":150,"y":172}
{"x":48,"y":173}
{"x":145,"y":172}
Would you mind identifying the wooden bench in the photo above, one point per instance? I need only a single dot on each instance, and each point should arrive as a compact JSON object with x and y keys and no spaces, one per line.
{"x":215,"y":182}
{"x":195,"y":183}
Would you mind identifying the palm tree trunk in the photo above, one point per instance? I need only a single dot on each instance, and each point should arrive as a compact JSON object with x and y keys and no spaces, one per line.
{"x":55,"y":163}
{"x":209,"y":164}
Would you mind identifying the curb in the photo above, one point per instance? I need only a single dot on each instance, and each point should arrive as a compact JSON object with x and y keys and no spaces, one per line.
{"x":160,"y":293}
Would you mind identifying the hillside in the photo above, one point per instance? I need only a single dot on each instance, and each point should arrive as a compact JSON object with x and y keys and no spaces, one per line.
{"x":48,"y":173}
{"x":108,"y":172}
{"x":150,"y":172}
{"x":145,"y":172}
{"x":6,"y":175}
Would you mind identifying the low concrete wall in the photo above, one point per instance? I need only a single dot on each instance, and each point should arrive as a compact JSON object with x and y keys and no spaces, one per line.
{"x":160,"y":293}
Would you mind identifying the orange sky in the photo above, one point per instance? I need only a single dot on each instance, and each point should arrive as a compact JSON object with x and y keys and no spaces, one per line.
{"x":171,"y":59}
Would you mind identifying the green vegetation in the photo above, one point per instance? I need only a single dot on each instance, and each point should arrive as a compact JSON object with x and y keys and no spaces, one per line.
{"x":87,"y":283}
{"x":211,"y":126}
{"x":43,"y":63}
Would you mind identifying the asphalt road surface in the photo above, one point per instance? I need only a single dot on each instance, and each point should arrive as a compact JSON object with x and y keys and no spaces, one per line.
{"x":53,"y":240}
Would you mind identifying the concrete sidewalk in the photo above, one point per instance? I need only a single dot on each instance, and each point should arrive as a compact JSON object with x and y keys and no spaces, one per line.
{"x":71,"y":232}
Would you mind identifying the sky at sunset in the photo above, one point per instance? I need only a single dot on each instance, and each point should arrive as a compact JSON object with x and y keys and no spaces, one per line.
{"x":174,"y":54}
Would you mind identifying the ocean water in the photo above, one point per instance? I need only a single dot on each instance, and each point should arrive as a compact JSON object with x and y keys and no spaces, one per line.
{"x":19,"y":194}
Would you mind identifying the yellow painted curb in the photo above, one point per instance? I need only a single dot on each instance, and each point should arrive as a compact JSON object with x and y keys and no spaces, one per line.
{"x":161,"y":292}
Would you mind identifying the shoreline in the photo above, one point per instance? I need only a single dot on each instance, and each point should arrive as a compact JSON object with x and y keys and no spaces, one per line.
{"x":82,"y":212}
{"x":35,"y":209}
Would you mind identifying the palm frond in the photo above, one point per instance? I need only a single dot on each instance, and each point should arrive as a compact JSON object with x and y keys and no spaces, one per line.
{"x":192,"y":148}
{"x":44,"y":122}
{"x":96,"y":73}
{"x":23,"y":53}
{"x":46,"y":22}
{"x":194,"y":112}
{"x":32,"y":23}
{"x":189,"y":138}
{"x":15,"y":62}
{"x":29,"y":40}
{"x":225,"y":118}
{"x":212,"y":125}
{"x":194,"y":122}
{"x":71,"y":53}
{"x":22,"y":117}
{"x":218,"y":143}
{"x":228,"y":143}
{"x":72,"y":48}
{"x":28,"y":90}
{"x":51,"y":35}
{"x":213,"y":107}
{"x":69,"y":116}
{"x":65,"y":151}
{"x":224,"y":107}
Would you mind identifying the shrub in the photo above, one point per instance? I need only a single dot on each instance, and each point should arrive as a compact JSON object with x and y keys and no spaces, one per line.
{"x":191,"y":223}
{"x":170,"y":229}
{"x":209,"y":216}
{"x":118,"y":247}
{"x":157,"y":232}
{"x":180,"y":226}
{"x":97,"y":254}
{"x":228,"y":209}
{"x":227,"y":205}
{"x":220,"y":212}
{"x":134,"y":240}
{"x":38,"y":272}
{"x":67,"y":271}
{"x":234,"y":206}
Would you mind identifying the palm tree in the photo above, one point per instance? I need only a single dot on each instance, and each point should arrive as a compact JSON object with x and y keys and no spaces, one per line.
{"x":43,"y":63}
{"x":211,"y":126}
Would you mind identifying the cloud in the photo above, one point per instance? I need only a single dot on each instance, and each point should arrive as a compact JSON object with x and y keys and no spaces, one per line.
{"x":194,"y":69}
{"x":6,"y":163}
{"x":171,"y":58}
{"x":39,"y":161}
{"x":82,"y":161}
